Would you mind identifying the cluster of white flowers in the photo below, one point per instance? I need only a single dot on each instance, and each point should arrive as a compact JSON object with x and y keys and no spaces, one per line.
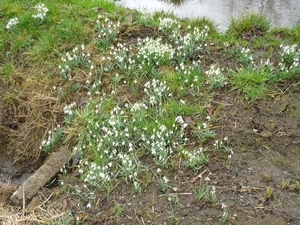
{"x":122,"y":57}
{"x":215,"y":77}
{"x":68,"y":109}
{"x":49,"y":139}
{"x":218,"y":145}
{"x":191,"y":43}
{"x":222,"y":145}
{"x":288,"y":49}
{"x":138,"y":106}
{"x":195,"y":159}
{"x":146,"y":18}
{"x":95,"y":88}
{"x":42,"y":11}
{"x":129,"y":166}
{"x":112,"y":137}
{"x":190,"y":74}
{"x":160,"y":144}
{"x":168,"y":24}
{"x":213,"y":193}
{"x":157,"y":91}
{"x":246,"y":57}
{"x":268,"y":64}
{"x":289,"y":57}
{"x":152,"y":52}
{"x":75,"y":59}
{"x":12,"y":22}
{"x":97,"y":175}
{"x":107,"y":29}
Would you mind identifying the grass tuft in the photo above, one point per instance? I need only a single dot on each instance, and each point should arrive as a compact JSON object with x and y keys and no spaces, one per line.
{"x":249,"y":24}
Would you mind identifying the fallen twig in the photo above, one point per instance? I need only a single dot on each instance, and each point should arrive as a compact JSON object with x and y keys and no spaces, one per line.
{"x":199,"y":175}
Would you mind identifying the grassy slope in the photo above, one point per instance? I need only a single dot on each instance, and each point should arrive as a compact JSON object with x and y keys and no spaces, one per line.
{"x":36,"y":94}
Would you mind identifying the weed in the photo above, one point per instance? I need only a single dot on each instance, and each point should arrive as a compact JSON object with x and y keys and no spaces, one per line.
{"x":119,"y":209}
{"x":291,"y":185}
{"x":268,"y":195}
{"x":286,"y":184}
{"x":7,"y":70}
{"x":201,"y":192}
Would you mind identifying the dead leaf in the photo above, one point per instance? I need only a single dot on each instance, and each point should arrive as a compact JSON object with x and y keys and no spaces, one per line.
{"x":189,"y":121}
{"x":187,"y":131}
{"x":64,"y":205}
{"x":130,"y":19}
{"x":81,"y":216}
{"x":211,"y":110}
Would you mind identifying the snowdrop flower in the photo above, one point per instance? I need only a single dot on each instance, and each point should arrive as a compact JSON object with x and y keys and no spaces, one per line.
{"x":12,"y":22}
{"x":42,"y":11}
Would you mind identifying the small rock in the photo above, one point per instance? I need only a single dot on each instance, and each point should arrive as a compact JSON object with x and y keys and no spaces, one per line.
{"x":250,"y":170}
{"x":130,"y":19}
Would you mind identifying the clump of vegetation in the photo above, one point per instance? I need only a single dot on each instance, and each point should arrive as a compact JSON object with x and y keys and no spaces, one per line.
{"x":249,"y":24}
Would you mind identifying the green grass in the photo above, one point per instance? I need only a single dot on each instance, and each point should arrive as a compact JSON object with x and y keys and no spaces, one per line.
{"x":119,"y":100}
{"x":254,"y":84}
{"x":249,"y":23}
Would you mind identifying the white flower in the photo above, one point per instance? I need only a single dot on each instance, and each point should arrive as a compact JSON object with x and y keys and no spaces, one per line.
{"x":166,"y":180}
{"x":12,"y":22}
{"x":179,"y":120}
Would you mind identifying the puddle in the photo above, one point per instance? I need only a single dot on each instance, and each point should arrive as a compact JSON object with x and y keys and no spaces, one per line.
{"x":15,"y":174}
{"x":282,"y":13}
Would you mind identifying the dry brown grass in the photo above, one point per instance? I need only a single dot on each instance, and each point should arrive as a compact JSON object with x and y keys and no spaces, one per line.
{"x":43,"y":212}
{"x":26,"y":117}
